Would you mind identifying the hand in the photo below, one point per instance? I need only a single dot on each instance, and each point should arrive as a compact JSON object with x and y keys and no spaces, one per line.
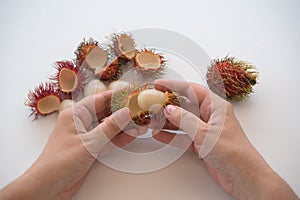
{"x":216,"y":137}
{"x":71,"y":150}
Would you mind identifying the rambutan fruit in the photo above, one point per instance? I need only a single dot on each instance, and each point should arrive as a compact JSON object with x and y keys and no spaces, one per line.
{"x":117,"y":85}
{"x":90,"y":54}
{"x":68,"y":77}
{"x":144,"y":103}
{"x":93,"y":87}
{"x":124,"y":46}
{"x":149,"y":63}
{"x":43,"y":100}
{"x":231,"y":79}
{"x":112,"y":71}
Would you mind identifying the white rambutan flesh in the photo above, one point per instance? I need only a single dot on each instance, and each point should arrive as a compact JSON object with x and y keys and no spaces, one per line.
{"x":116,"y":85}
{"x":65,"y":104}
{"x":93,"y":87}
{"x":150,"y":98}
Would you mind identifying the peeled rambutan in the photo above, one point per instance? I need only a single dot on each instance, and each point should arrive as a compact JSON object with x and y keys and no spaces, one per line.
{"x":149,"y":63}
{"x":43,"y":100}
{"x":144,"y":103}
{"x":90,"y":54}
{"x":231,"y":79}
{"x":124,"y":46}
{"x":69,"y":77}
{"x":112,"y":71}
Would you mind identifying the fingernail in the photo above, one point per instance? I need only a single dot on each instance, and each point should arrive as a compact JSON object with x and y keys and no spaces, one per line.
{"x":170,"y":109}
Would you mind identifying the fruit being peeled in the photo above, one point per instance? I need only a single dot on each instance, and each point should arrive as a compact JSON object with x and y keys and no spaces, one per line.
{"x":65,"y":104}
{"x":93,"y":87}
{"x":231,"y":79}
{"x":148,"y":98}
{"x":143,"y":103}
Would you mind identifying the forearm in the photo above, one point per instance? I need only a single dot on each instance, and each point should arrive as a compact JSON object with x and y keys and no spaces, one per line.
{"x":26,"y":187}
{"x":258,"y":181}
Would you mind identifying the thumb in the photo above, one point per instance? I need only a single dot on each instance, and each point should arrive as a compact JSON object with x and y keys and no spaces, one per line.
{"x":186,"y":121}
{"x":97,"y":138}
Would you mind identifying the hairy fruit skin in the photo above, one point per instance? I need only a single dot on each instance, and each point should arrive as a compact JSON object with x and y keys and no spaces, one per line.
{"x":83,"y":49}
{"x":155,"y":72}
{"x":231,"y":79}
{"x":70,"y":66}
{"x":112,"y":71}
{"x":123,"y":97}
{"x":41,"y":92}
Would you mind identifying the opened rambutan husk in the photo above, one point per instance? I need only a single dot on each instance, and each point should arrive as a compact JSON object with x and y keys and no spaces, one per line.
{"x":144,"y":103}
{"x":150,"y":64}
{"x":123,"y":46}
{"x":110,"y":72}
{"x":69,"y":77}
{"x":43,"y":100}
{"x":231,"y":79}
{"x":90,"y":54}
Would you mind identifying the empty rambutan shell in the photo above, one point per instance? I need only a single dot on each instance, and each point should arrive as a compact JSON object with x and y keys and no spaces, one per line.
{"x":90,"y":54}
{"x":143,"y":103}
{"x":68,"y":77}
{"x":150,"y":63}
{"x":112,"y":71}
{"x":43,"y":100}
{"x":93,"y":87}
{"x":124,"y":46}
{"x":231,"y":79}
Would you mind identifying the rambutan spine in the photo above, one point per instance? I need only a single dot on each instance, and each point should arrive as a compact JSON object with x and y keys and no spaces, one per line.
{"x":231,"y":79}
{"x":43,"y":100}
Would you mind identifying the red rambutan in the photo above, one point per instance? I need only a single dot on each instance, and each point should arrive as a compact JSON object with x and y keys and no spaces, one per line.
{"x":68,"y":77}
{"x":43,"y":100}
{"x":231,"y":79}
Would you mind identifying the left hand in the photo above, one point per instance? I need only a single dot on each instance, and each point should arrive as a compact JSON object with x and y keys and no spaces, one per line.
{"x":72,"y":148}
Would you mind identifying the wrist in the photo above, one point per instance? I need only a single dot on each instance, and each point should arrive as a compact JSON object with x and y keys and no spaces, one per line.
{"x":259,"y":181}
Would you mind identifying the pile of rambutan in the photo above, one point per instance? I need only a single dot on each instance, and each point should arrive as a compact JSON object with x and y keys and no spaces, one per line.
{"x":95,"y":68}
{"x":98,"y":67}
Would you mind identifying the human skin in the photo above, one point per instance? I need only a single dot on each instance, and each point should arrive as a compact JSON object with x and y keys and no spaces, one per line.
{"x":72,"y":148}
{"x":232,"y":161}
{"x":78,"y":139}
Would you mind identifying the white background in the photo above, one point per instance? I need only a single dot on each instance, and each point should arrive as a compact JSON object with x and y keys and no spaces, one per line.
{"x":34,"y":34}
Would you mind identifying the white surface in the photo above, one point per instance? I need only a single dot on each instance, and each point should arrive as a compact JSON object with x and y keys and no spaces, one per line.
{"x":34,"y":34}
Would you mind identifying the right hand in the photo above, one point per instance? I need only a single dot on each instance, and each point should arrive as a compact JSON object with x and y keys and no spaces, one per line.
{"x":216,"y":136}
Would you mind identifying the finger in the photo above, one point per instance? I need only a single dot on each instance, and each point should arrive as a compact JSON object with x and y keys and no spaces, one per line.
{"x":124,"y":138}
{"x":97,"y":138}
{"x":180,"y":141}
{"x":184,"y":88}
{"x":198,"y":95}
{"x":92,"y":108}
{"x":187,"y":121}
